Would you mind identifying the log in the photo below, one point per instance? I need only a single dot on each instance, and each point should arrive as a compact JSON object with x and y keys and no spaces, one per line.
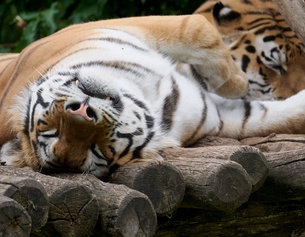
{"x":123,"y":211}
{"x":162,"y":182}
{"x":294,"y":14}
{"x":216,"y":141}
{"x":286,"y":178}
{"x":14,"y":219}
{"x":30,"y":194}
{"x":250,"y":158}
{"x":213,"y":184}
{"x":73,"y":208}
{"x":277,"y":142}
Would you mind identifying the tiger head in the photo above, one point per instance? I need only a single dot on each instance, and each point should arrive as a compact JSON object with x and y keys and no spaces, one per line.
{"x":82,"y":120}
{"x":262,"y":44}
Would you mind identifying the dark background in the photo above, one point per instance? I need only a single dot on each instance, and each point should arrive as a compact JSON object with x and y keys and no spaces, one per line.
{"x":22,"y":22}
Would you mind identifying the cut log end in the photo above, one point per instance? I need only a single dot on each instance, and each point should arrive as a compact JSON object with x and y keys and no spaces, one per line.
{"x":254,"y":162}
{"x":123,"y":211}
{"x":14,"y":220}
{"x":137,"y":219}
{"x":224,"y":188}
{"x":160,"y":181}
{"x":250,"y":158}
{"x":74,"y":212}
{"x":30,"y":194}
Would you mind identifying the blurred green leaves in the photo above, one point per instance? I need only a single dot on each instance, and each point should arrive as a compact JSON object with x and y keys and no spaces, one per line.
{"x":22,"y":22}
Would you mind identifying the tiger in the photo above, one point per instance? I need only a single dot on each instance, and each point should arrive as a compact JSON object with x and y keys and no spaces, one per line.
{"x":262,"y":44}
{"x":95,"y":96}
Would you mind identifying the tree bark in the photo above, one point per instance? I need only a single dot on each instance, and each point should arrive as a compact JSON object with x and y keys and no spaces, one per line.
{"x":213,"y":184}
{"x":216,"y":141}
{"x":30,"y":194}
{"x":286,"y":178}
{"x":277,"y":142}
{"x":294,"y":14}
{"x":14,"y":219}
{"x":162,"y":182}
{"x":73,"y":208}
{"x":250,"y":158}
{"x":123,"y":211}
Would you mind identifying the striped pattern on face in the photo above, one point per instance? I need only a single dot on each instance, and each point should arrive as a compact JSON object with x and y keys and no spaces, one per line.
{"x":262,"y":44}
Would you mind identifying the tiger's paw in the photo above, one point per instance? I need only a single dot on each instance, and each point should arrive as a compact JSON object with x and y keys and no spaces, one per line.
{"x":236,"y":87}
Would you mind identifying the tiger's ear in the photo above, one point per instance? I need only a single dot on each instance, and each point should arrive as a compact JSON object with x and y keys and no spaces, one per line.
{"x":224,"y":15}
{"x":11,"y":153}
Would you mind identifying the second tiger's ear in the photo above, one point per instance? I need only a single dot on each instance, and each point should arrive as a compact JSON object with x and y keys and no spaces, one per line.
{"x":224,"y":15}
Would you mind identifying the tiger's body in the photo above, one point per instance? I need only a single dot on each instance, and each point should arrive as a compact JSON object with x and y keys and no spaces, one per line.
{"x":262,"y":44}
{"x":102,"y":94}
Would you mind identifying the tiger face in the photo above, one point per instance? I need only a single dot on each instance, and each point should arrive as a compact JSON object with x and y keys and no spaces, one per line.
{"x":262,"y":44}
{"x":81,"y":119}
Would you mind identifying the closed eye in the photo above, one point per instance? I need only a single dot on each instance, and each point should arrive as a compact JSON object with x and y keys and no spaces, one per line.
{"x":99,"y":154}
{"x":92,"y":92}
{"x":48,"y":133}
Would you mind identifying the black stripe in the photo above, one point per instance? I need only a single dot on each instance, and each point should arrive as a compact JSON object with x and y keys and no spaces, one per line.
{"x":116,"y":41}
{"x":260,"y":19}
{"x":250,"y":49}
{"x":27,"y":119}
{"x":137,"y":151}
{"x":112,"y":150}
{"x":117,"y":104}
{"x":247,"y":2}
{"x":137,"y":115}
{"x":149,"y":120}
{"x":34,"y":145}
{"x":92,"y":148}
{"x":136,"y":101}
{"x":129,"y":67}
{"x":269,"y":38}
{"x":245,"y":62}
{"x":201,"y":122}
{"x":198,"y":77}
{"x":266,"y":57}
{"x":247,"y":108}
{"x":257,"y":83}
{"x":267,"y":28}
{"x":169,"y":107}
{"x":129,"y":137}
{"x":40,"y":121}
{"x":41,"y":102}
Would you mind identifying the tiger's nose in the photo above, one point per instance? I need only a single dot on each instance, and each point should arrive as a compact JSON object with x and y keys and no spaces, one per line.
{"x":83,"y":109}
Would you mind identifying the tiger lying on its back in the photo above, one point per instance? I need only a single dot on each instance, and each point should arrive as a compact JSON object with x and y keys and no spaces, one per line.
{"x":101,"y":94}
{"x":262,"y":44}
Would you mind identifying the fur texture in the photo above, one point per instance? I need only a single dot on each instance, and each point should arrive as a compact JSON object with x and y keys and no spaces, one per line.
{"x":262,"y":44}
{"x":99,"y":95}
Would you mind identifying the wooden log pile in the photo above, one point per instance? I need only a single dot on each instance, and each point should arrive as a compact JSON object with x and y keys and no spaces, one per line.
{"x":221,"y":178}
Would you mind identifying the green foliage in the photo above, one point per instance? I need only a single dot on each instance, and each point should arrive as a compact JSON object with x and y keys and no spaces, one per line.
{"x":22,"y":22}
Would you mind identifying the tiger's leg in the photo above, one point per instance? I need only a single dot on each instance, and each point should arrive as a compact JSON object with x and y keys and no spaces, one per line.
{"x":260,"y":118}
{"x":190,"y":39}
